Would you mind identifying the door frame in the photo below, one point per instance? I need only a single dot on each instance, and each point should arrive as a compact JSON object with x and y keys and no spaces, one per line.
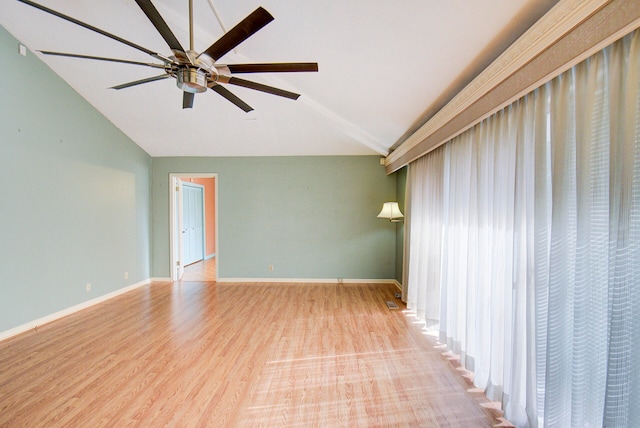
{"x":175,"y":214}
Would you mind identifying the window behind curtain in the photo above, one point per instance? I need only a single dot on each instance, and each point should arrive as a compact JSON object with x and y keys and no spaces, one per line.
{"x":524,"y":246}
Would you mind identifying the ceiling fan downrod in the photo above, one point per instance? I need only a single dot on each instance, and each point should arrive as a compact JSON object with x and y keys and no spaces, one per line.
{"x":191,"y":25}
{"x":193,"y":79}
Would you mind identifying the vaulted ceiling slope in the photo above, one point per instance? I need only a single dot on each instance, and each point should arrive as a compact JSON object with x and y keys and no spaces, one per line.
{"x":384,"y":68}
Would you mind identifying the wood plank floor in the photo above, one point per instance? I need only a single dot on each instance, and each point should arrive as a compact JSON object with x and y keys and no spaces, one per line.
{"x":196,"y":354}
{"x":204,"y":270}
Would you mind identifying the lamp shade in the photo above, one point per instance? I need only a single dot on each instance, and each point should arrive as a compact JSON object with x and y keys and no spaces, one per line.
{"x":390,"y":210}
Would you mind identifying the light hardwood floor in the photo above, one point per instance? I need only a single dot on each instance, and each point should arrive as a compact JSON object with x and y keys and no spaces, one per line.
{"x":204,"y":270}
{"x":248,"y":355}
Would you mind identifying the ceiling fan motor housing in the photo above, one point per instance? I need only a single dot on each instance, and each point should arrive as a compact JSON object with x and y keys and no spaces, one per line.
{"x":192,"y":80}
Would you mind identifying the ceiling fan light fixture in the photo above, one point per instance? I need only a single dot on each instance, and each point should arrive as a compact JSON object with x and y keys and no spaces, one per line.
{"x":193,"y":80}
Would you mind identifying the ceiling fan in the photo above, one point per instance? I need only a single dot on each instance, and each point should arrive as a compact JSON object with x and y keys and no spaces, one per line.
{"x":196,"y":72}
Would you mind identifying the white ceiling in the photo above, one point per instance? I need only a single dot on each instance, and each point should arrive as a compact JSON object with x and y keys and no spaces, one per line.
{"x":384,"y":68}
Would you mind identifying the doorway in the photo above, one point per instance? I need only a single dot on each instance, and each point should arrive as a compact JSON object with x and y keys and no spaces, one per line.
{"x":193,"y":226}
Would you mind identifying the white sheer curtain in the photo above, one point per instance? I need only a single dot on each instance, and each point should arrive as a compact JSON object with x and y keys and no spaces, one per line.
{"x":523,"y":243}
{"x":424,"y":183}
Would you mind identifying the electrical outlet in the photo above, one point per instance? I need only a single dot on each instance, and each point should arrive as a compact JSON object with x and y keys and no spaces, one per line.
{"x":126,"y":275}
{"x":88,"y":287}
{"x":270,"y":268}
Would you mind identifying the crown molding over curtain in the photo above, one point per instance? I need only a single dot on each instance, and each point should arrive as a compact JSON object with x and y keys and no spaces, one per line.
{"x":569,"y":33}
{"x":523,"y":246}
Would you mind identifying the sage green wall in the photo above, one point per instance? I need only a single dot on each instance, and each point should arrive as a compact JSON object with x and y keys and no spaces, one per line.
{"x":75,"y":195}
{"x":309,"y":217}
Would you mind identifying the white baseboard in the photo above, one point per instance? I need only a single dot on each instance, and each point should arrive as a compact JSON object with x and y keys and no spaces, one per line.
{"x":312,"y":280}
{"x":63,"y":313}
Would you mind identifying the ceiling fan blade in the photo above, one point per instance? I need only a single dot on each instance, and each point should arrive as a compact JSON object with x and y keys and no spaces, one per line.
{"x":281,"y":67}
{"x":141,"y":81}
{"x":156,"y":19}
{"x":264,"y":88}
{"x":95,"y":29}
{"x":187,"y":99}
{"x":238,"y":34}
{"x":231,"y":97}
{"x":100,"y":58}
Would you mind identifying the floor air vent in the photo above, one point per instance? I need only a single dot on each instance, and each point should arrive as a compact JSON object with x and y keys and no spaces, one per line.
{"x":391,"y":304}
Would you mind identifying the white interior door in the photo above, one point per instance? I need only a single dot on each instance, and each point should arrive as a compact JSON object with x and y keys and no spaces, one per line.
{"x":193,"y":223}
